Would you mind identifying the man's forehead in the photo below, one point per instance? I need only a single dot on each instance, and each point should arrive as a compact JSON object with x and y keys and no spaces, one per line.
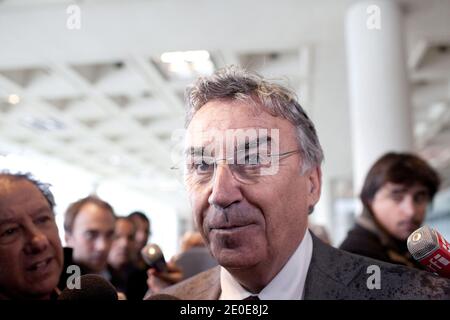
{"x":20,"y":196}
{"x":222,"y":115}
{"x":91,"y":215}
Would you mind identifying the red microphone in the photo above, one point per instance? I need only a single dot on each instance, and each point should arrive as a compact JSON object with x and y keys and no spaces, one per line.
{"x":429,"y":247}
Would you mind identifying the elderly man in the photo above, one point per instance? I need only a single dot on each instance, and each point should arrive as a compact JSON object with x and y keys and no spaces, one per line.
{"x":395,"y":195}
{"x":253,"y":175}
{"x":31,"y":255}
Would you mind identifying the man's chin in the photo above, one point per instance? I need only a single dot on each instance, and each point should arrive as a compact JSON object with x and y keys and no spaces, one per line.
{"x":237,"y":261}
{"x":43,"y":289}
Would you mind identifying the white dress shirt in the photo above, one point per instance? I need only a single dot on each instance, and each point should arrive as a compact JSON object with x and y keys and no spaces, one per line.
{"x":288,"y":284}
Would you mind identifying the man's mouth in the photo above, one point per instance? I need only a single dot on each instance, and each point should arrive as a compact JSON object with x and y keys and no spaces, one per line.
{"x":231,"y":227}
{"x":39,"y":265}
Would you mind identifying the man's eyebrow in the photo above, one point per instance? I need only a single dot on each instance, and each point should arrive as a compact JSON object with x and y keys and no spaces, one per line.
{"x":42,"y":209}
{"x":36,"y":211}
{"x":398,"y":190}
{"x":8,"y":220}
{"x":259,"y":141}
{"x":195,"y":151}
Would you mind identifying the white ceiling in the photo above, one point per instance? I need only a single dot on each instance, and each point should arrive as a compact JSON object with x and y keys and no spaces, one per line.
{"x":97,"y":97}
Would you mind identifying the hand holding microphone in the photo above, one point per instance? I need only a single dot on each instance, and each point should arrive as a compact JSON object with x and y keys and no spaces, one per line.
{"x":429,"y":247}
{"x":161,"y":274}
{"x":154,"y":257}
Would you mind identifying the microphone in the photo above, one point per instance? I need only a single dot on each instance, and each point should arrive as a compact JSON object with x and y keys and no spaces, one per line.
{"x":154,"y":257}
{"x":92,"y":288}
{"x":429,"y":247}
{"x":162,"y":296}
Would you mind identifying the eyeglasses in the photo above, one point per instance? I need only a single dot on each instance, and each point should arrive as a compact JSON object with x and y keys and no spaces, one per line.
{"x":246,"y":167}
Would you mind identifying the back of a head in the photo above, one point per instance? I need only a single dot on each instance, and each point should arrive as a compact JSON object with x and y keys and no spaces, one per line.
{"x":92,"y":288}
{"x":399,"y":168}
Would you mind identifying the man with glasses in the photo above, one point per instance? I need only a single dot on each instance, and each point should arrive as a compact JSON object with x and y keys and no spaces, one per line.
{"x":253,"y":175}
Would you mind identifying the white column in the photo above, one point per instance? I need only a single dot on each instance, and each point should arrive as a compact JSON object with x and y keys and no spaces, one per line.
{"x":379,"y":95}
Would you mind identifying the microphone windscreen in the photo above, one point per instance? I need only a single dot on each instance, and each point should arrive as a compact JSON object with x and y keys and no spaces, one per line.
{"x":92,"y":288}
{"x":154,"y":257}
{"x":422,"y":242}
{"x":162,"y":296}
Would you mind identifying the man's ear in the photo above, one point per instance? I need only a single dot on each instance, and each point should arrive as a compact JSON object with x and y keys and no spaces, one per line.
{"x":314,"y":185}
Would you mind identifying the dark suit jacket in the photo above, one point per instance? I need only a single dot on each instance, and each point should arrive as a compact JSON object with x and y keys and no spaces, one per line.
{"x":334,"y":275}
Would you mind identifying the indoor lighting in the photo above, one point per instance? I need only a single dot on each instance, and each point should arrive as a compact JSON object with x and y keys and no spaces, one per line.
{"x":13,"y":99}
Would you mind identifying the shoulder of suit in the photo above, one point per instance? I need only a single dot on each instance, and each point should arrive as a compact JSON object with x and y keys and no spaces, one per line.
{"x":353,"y":272}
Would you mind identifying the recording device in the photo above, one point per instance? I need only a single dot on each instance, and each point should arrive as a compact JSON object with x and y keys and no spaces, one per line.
{"x":92,"y":288}
{"x":154,"y":257}
{"x":429,"y":247}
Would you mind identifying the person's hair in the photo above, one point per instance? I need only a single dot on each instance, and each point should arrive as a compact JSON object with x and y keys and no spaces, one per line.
{"x":140,"y":215}
{"x":399,"y":168}
{"x":74,"y":208}
{"x":128,"y":219}
{"x":237,"y":84}
{"x":44,"y":188}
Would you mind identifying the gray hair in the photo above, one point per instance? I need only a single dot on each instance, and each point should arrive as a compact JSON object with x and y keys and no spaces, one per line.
{"x":235,"y":83}
{"x":44,"y":188}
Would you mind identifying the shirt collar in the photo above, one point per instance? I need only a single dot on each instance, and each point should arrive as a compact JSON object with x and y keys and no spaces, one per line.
{"x":288,"y":284}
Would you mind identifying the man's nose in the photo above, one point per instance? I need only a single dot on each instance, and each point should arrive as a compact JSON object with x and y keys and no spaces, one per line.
{"x":37,"y":242}
{"x":225,"y":189}
{"x":408,"y":206}
{"x":101,"y":244}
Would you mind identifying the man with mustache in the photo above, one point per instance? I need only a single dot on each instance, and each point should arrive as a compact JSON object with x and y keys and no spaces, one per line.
{"x":395,"y":196}
{"x":31,"y":255}
{"x":253,"y":175}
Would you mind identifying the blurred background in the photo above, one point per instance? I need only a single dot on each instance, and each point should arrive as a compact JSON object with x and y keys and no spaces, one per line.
{"x":91,"y":92}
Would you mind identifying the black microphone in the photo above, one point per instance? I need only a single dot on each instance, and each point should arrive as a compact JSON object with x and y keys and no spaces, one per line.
{"x":92,"y":288}
{"x":154,"y":257}
{"x":162,"y":296}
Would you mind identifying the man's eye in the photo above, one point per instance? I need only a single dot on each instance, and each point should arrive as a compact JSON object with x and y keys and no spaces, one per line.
{"x":90,"y":235}
{"x":43,"y":220}
{"x":252,"y":160}
{"x":9,"y":232}
{"x":202,"y":167}
{"x":421,"y":198}
{"x":397,"y":197}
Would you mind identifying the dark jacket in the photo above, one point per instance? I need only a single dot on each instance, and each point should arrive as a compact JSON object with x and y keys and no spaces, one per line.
{"x":368,"y":239}
{"x":334,"y":274}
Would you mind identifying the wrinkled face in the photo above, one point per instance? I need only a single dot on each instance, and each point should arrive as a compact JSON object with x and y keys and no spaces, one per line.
{"x":123,"y":244}
{"x":91,"y":237}
{"x":31,"y":255}
{"x":245,"y":224}
{"x":400,"y":209}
